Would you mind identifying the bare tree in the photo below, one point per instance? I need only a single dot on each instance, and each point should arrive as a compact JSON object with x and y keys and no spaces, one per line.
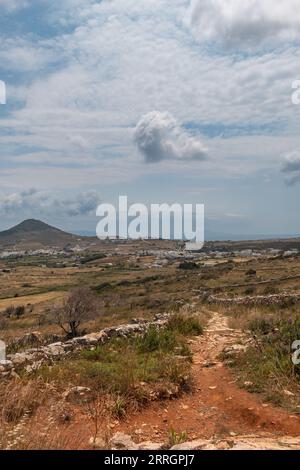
{"x":77,"y":308}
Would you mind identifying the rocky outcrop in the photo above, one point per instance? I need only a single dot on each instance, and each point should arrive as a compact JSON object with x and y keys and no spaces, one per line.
{"x":32,"y":359}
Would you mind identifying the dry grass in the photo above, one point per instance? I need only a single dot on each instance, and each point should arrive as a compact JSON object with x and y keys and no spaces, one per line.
{"x":31,"y":299}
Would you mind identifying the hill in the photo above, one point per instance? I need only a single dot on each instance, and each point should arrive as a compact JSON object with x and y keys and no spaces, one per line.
{"x":31,"y":234}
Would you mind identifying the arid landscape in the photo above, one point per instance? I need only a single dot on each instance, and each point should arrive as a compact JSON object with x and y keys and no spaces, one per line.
{"x":149,"y":231}
{"x":142,"y":345}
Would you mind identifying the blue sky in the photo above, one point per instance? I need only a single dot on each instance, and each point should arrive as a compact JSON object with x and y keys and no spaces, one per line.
{"x":165,"y":101}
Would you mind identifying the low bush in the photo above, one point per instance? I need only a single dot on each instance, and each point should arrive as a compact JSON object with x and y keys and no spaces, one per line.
{"x":185,"y":325}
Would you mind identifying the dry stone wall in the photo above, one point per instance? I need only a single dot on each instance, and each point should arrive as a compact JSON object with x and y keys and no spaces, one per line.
{"x":32,"y":359}
{"x":273,"y":299}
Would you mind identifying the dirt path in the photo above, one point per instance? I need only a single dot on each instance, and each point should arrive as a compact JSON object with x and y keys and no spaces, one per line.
{"x":218,"y":408}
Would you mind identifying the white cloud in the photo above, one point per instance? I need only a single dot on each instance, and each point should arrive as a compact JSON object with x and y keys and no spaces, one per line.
{"x":159,"y":137}
{"x":23,"y":55}
{"x":247,"y":24}
{"x":291,"y":167}
{"x":124,"y":59}
{"x":102,"y":85}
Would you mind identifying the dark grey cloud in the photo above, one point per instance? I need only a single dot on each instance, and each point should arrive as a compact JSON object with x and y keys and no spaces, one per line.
{"x":33,"y":201}
{"x":291,"y":167}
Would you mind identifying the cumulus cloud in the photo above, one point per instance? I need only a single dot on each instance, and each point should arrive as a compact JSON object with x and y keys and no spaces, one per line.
{"x":159,"y":137}
{"x":291,"y":167}
{"x":32,"y":201}
{"x":246,"y":24}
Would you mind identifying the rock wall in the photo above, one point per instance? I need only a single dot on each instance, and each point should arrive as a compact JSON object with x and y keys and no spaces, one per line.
{"x":273,"y":299}
{"x":32,"y":359}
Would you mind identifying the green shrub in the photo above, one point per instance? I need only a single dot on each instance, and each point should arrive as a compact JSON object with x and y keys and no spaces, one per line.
{"x":185,"y":325}
{"x":154,"y":339}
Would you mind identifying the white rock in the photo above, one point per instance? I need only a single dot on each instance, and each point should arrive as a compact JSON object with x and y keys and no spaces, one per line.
{"x":121,"y":441}
{"x":190,"y":445}
{"x":148,"y":445}
{"x":55,"y":349}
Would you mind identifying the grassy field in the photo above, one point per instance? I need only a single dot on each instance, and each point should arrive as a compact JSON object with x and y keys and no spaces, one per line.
{"x":128,"y":286}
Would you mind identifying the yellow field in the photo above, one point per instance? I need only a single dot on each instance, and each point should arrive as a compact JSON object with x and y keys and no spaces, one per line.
{"x":31,"y":299}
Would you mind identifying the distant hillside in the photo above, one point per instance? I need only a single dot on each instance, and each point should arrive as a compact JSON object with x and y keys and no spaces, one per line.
{"x":36,"y":234}
{"x":275,"y":243}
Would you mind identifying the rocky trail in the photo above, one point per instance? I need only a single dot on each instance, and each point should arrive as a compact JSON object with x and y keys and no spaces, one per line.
{"x":217,"y":414}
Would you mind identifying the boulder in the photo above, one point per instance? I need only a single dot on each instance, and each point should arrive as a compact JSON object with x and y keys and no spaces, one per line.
{"x":121,"y":441}
{"x":55,"y":349}
{"x":92,"y":339}
{"x":190,"y":445}
{"x":20,"y":359}
{"x":148,"y":445}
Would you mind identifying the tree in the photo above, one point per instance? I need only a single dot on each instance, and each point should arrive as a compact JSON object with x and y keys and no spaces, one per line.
{"x":77,"y":308}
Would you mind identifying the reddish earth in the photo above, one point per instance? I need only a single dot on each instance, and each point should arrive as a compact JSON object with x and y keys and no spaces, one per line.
{"x":217,"y":408}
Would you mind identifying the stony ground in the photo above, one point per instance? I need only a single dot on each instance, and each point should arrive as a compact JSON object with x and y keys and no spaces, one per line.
{"x":218,"y":414}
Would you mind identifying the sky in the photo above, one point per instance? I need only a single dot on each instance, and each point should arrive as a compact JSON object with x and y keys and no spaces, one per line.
{"x":186,"y":101}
